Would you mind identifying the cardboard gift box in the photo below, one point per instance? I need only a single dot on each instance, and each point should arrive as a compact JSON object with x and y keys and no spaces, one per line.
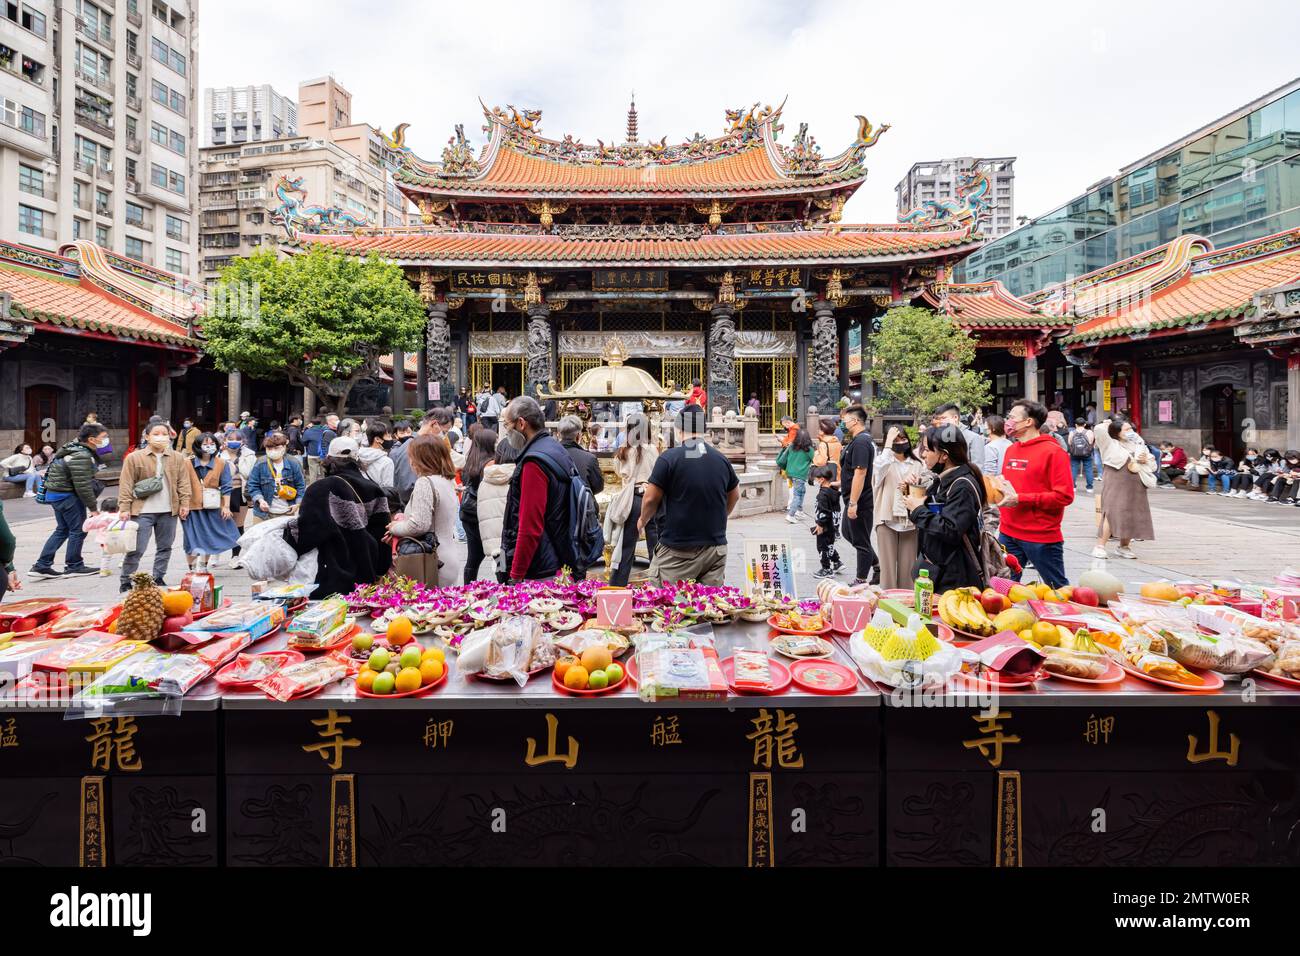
{"x":614,"y":607}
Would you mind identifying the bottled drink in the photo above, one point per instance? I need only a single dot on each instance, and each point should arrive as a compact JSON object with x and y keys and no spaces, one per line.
{"x":923,"y":592}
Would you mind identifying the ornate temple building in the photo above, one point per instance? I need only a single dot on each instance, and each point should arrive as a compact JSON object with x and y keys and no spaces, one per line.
{"x":724,"y":259}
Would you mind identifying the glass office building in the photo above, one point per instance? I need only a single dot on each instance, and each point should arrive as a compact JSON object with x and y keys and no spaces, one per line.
{"x":1234,"y":180}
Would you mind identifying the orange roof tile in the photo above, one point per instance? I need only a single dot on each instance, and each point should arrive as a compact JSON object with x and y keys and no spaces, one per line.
{"x":990,"y":305}
{"x":52,"y":292}
{"x":468,"y":248}
{"x":1211,"y":286}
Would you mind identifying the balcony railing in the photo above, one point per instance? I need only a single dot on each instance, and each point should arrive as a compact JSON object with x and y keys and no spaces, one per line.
{"x":90,"y":123}
{"x":145,"y":224}
{"x":135,"y":103}
{"x":95,"y":80}
{"x":133,"y":17}
{"x":133,"y":187}
{"x":104,"y":172}
{"x":133,"y":146}
{"x":133,"y":60}
{"x":103,"y":210}
{"x":102,"y":36}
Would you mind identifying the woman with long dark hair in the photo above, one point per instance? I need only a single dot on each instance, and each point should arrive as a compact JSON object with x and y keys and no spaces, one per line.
{"x":209,"y":531}
{"x":633,"y":462}
{"x":482,"y":452}
{"x":897,"y":466}
{"x":948,"y":517}
{"x":794,"y":461}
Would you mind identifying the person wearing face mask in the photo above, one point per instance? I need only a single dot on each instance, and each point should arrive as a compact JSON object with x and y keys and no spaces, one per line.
{"x":857,"y":461}
{"x":70,"y":489}
{"x":947,"y":517}
{"x":1129,"y":470}
{"x":374,"y":459}
{"x":1272,"y":466}
{"x":896,"y":537}
{"x":276,"y":484}
{"x":20,"y":469}
{"x":186,"y":437}
{"x":241,"y":459}
{"x":1036,"y":487}
{"x":1222,"y":471}
{"x":154,"y":492}
{"x":210,"y":530}
{"x":1286,"y":486}
{"x":1251,"y":466}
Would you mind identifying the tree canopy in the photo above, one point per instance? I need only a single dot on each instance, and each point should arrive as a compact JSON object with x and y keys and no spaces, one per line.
{"x":319,"y":319}
{"x":921,"y":360}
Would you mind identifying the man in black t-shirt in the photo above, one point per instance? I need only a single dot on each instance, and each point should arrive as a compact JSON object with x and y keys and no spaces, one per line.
{"x":856,"y":464}
{"x":698,"y":488}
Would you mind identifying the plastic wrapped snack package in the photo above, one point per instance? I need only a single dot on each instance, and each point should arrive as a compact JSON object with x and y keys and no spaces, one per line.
{"x":135,"y":685}
{"x":306,"y":677}
{"x":504,"y":649}
{"x":1226,"y":652}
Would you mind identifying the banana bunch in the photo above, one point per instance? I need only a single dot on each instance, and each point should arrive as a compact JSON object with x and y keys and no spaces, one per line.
{"x":961,"y":610}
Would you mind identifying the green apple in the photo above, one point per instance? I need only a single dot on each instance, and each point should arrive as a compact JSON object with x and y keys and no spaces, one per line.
{"x":615,"y":673}
{"x":410,"y":656}
{"x":597,"y":680}
{"x":379,"y":659}
{"x":383,"y":684}
{"x":363,"y":642}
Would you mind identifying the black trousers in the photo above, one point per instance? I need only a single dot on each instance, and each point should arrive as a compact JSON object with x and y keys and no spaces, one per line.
{"x":1243,"y":482}
{"x":858,"y":533}
{"x":826,"y":549}
{"x":473,"y":544}
{"x":1284,"y":489}
{"x":627,"y":553}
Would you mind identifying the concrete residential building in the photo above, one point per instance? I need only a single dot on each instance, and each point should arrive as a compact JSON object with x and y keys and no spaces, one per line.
{"x":240,"y":194}
{"x":247,"y":114}
{"x":98,"y":126}
{"x":937,"y":180}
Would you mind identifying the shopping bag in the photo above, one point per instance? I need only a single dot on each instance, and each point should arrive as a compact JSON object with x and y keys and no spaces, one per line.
{"x":421,"y":567}
{"x":119,"y":537}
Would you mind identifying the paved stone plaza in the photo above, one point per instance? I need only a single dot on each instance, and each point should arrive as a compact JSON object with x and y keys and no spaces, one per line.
{"x":1197,"y":536}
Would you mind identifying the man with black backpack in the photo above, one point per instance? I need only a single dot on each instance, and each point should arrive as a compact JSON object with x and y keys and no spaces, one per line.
{"x":551,"y":521}
{"x":1079,"y":443}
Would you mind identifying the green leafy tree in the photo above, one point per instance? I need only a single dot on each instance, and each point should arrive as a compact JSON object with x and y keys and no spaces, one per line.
{"x":921,"y":360}
{"x":320,"y":319}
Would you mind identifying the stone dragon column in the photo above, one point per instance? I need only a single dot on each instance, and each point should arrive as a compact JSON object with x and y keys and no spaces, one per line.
{"x":824,"y":384}
{"x":541,"y":363}
{"x":722,"y":359}
{"x":437,"y":352}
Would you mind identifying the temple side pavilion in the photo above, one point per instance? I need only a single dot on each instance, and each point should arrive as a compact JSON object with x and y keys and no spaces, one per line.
{"x":724,"y":259}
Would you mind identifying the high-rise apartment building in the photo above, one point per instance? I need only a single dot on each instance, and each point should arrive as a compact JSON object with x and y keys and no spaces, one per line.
{"x":98,"y":126}
{"x":937,"y":180}
{"x":247,"y":114}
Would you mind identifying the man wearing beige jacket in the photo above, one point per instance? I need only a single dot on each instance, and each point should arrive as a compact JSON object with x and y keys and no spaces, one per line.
{"x":154,"y":491}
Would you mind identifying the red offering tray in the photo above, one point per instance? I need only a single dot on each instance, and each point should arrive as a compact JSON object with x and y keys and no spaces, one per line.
{"x":993,"y":679}
{"x":826,"y":628}
{"x":632,"y":671}
{"x":823,"y":677}
{"x":586,"y":692}
{"x":1212,"y":681}
{"x":781,"y":677}
{"x":338,"y":643}
{"x":1114,"y":675}
{"x":223,"y":677}
{"x":1288,"y":681}
{"x":418,"y":692}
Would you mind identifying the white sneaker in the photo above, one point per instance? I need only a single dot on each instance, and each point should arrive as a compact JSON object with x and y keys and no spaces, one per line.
{"x":29,"y":494}
{"x":235,"y":564}
{"x":1099,"y":553}
{"x":1127,"y":553}
{"x":792,"y":519}
{"x":801,"y":514}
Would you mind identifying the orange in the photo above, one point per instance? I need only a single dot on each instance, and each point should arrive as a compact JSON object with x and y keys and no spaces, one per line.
{"x":366,"y":679}
{"x":1067,"y":593}
{"x":399,"y":630}
{"x":596,"y":658}
{"x":575,"y":677}
{"x":408,"y":678}
{"x":1045,"y":633}
{"x":434,"y":654}
{"x":112,"y":628}
{"x":176,"y":603}
{"x":430,"y":672}
{"x":563,"y":663}
{"x":1042,"y":591}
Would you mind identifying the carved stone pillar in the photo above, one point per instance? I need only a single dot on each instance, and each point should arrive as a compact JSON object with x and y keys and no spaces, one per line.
{"x":722,"y":360}
{"x":234,"y":396}
{"x":1030,"y":390}
{"x":398,"y":400}
{"x":1293,"y":400}
{"x":824,"y":384}
{"x":437,"y":352}
{"x":541,"y":361}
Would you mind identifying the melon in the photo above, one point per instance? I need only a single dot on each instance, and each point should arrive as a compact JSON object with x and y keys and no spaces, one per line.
{"x":1160,"y":590}
{"x":1105,"y":584}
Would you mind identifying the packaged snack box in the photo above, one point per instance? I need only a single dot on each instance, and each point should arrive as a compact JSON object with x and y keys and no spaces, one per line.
{"x":320,"y":618}
{"x":1281,"y":604}
{"x":259,"y":619}
{"x":102,"y":660}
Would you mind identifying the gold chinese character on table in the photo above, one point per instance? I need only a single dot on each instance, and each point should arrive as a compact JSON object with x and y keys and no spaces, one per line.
{"x":1098,"y":729}
{"x":775,"y":739}
{"x":437,"y":732}
{"x":990,"y":745}
{"x":664,"y":732}
{"x":334,"y":740}
{"x":9,"y":733}
{"x":570,"y":759}
{"x":112,"y":744}
{"x":1212,"y":751}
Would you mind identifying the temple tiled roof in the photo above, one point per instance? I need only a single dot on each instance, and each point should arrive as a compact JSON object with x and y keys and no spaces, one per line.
{"x":851,"y":243}
{"x":981,"y":305}
{"x":1192,"y":284}
{"x":59,"y":294}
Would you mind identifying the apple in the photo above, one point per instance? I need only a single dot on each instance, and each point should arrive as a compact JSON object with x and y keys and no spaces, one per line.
{"x":991,"y":601}
{"x":1088,"y":596}
{"x":597,"y":680}
{"x":378,"y":659}
{"x":410,"y":656}
{"x":615,"y":673}
{"x":363,"y":642}
{"x":384,"y":684}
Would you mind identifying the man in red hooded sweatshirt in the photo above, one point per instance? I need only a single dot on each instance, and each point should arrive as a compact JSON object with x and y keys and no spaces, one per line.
{"x":1038,"y":468}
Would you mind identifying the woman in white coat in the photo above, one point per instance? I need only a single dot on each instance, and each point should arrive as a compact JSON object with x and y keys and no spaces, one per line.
{"x":493,"y":489}
{"x":1130,"y":470}
{"x":896,"y":535}
{"x":433,"y":506}
{"x":634,"y":462}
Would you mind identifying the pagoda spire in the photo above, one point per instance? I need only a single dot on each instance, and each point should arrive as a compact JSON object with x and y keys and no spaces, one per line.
{"x":631,"y":120}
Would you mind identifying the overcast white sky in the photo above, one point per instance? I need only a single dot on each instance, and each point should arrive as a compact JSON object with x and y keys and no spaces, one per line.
{"x":1073,"y":90}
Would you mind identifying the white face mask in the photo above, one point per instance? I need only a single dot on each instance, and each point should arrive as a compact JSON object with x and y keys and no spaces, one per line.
{"x":275,"y":454}
{"x":209,"y":449}
{"x":159,"y":442}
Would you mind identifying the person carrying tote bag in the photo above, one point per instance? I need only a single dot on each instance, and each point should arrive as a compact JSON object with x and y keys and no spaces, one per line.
{"x":426,"y":531}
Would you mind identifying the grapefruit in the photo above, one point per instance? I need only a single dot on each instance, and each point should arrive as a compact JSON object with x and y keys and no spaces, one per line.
{"x":596,"y":658}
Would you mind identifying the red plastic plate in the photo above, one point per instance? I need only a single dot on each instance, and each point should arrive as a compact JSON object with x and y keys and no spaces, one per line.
{"x":826,"y":628}
{"x":587,"y":692}
{"x":418,"y":692}
{"x":340,"y":642}
{"x":823,"y":677}
{"x":223,"y":677}
{"x":781,"y":676}
{"x":1212,"y":680}
{"x":1289,"y":681}
{"x":1114,"y":675}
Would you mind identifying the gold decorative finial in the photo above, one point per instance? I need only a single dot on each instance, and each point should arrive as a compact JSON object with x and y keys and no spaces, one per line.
{"x":614,"y":353}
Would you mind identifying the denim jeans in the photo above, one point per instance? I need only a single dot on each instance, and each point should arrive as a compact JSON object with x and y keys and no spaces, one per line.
{"x":1047,"y":559}
{"x":1082,"y":466}
{"x":69,"y":513}
{"x":798,"y":488}
{"x":160,"y":524}
{"x":1221,"y":481}
{"x":29,"y":478}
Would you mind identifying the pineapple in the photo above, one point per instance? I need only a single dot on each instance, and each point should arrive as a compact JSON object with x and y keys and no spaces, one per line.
{"x":142,"y":611}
